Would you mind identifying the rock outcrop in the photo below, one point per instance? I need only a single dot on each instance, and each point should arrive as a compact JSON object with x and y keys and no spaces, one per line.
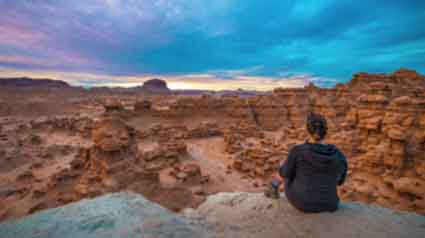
{"x":165,"y":155}
{"x":222,"y":215}
{"x":142,"y":106}
{"x":253,"y":215}
{"x":111,"y":135}
{"x":155,"y":86}
{"x":113,"y":215}
{"x":113,"y":105}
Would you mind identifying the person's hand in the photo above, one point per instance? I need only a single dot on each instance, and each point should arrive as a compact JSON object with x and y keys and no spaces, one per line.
{"x":276,"y":181}
{"x":276,"y":177}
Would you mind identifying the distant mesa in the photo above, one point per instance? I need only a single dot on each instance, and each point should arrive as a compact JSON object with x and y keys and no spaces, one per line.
{"x":155,"y":86}
{"x":403,"y":76}
{"x":30,"y":82}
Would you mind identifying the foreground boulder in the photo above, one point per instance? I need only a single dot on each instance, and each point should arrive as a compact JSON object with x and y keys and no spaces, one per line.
{"x":222,"y":215}
{"x":114,"y":215}
{"x":253,"y":215}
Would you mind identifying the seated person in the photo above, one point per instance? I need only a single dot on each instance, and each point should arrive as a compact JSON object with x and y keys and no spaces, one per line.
{"x":313,"y":170}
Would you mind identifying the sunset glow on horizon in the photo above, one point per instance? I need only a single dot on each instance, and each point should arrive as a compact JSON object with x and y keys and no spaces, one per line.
{"x":190,"y":82}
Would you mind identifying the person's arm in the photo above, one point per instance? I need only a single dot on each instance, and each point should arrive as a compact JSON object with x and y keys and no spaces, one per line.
{"x":342,"y":169}
{"x":287,"y":170}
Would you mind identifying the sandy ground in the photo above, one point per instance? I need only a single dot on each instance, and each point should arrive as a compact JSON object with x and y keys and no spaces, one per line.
{"x":210,"y":155}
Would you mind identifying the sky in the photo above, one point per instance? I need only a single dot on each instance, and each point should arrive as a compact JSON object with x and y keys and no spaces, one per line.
{"x":220,"y":44}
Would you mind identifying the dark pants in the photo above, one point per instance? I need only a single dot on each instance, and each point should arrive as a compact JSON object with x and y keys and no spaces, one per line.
{"x":300,"y":205}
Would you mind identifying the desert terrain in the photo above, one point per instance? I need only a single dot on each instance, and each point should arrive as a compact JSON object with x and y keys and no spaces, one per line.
{"x":60,"y":144}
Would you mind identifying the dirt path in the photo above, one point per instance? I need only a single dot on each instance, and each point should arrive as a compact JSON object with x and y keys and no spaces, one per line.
{"x":211,"y":157}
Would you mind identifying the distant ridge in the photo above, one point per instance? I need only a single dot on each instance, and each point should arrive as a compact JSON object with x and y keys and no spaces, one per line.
{"x":403,"y":76}
{"x":30,"y":82}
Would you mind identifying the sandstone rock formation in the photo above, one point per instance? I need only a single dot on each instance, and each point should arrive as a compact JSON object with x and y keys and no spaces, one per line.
{"x":166,"y":154}
{"x":204,"y":130}
{"x":143,"y":106}
{"x":187,"y":172}
{"x":258,"y":161}
{"x":111,"y":135}
{"x":64,"y":146}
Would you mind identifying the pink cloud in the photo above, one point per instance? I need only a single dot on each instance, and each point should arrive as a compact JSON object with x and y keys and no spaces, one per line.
{"x":61,"y":59}
{"x":19,"y":59}
{"x":17,"y":35}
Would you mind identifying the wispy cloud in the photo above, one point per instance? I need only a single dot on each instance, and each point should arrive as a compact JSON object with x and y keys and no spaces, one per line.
{"x":228,"y":40}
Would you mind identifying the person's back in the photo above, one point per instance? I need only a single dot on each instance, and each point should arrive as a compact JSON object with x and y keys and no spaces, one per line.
{"x":313,"y":170}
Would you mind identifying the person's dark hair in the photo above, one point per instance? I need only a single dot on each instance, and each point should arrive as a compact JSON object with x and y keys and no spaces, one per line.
{"x":316,"y":126}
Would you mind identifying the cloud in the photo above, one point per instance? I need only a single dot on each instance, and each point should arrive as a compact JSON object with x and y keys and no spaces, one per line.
{"x":226,"y":39}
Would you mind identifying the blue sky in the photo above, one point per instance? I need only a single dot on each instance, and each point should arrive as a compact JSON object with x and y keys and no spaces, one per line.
{"x":210,"y":44}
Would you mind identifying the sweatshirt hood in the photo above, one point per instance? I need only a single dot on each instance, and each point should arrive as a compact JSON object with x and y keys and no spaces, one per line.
{"x":323,"y":149}
{"x":323,"y":155}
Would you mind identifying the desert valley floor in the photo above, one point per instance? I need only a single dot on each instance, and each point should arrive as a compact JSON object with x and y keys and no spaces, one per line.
{"x":60,"y":144}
